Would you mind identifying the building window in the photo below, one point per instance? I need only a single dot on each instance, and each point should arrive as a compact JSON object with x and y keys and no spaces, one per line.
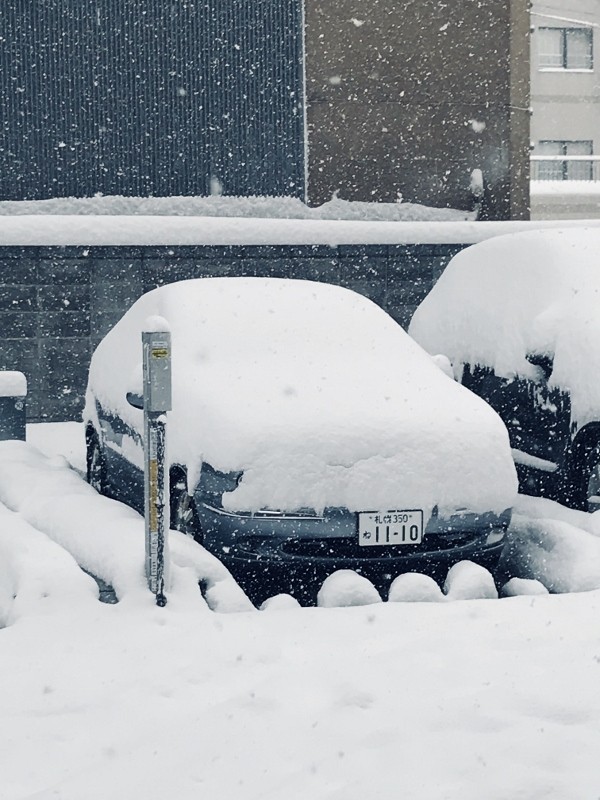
{"x":566,"y":162}
{"x":566,"y":48}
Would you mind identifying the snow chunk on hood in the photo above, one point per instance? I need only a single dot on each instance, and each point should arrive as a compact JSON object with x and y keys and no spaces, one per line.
{"x":315,"y":394}
{"x":536,"y":292}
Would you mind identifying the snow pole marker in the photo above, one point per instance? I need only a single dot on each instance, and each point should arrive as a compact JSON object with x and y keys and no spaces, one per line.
{"x":155,"y":402}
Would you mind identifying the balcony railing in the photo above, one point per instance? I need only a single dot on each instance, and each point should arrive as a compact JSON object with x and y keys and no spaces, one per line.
{"x":565,"y":168}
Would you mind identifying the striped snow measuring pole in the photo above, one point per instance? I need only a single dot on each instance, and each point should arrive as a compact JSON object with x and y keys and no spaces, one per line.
{"x":156,"y":345}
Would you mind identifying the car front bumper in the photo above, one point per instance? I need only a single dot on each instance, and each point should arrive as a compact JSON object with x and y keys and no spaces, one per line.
{"x":273,"y":553}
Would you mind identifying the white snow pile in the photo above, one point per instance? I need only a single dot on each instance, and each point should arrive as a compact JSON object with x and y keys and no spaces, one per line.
{"x":346,"y":588}
{"x":36,"y":575}
{"x":12,"y":384}
{"x":525,"y":293}
{"x":105,"y":537}
{"x":551,"y":544}
{"x":315,"y":393}
{"x":469,"y":581}
{"x":413,"y":587}
{"x":218,"y":206}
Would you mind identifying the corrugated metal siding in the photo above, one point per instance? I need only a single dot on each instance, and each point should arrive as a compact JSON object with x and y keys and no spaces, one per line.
{"x":150,"y":97}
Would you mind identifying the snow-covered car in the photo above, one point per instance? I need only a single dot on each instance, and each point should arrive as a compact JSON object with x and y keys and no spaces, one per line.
{"x":308,"y":434}
{"x":519,"y":318}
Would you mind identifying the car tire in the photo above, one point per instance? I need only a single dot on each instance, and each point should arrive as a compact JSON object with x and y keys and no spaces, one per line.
{"x":95,"y":462}
{"x":182,"y":506}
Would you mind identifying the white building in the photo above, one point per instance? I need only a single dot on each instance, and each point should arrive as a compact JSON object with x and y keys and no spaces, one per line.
{"x":565,"y":98}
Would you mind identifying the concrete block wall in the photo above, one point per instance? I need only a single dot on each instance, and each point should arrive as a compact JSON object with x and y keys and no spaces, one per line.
{"x":56,"y":303}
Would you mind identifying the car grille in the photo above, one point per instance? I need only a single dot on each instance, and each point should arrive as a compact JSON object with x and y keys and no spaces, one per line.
{"x":348,"y":547}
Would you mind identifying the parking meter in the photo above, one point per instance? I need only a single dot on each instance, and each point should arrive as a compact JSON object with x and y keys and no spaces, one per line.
{"x":155,"y":400}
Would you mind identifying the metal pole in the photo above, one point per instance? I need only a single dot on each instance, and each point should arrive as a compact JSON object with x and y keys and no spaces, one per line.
{"x":156,"y":401}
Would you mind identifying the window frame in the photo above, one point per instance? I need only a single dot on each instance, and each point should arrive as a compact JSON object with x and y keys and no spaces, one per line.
{"x":564,"y":48}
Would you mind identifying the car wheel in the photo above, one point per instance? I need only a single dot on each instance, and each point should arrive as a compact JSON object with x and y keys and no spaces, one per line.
{"x":184,"y":516}
{"x":95,"y":463}
{"x":591,"y":480}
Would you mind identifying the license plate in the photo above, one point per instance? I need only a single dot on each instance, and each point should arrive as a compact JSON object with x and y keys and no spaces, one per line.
{"x":382,"y":528}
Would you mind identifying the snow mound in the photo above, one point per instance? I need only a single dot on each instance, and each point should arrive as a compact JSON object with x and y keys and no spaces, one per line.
{"x":12,"y":384}
{"x":562,"y":557}
{"x":281,"y":602}
{"x":104,"y":536}
{"x":413,"y":587}
{"x":265,"y":378}
{"x":542,"y":508}
{"x":36,"y":575}
{"x":523,"y":586}
{"x":347,"y":588}
{"x":469,"y":581}
{"x":526,"y":293}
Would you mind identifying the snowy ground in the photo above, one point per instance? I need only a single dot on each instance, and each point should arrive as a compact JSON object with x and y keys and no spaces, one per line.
{"x":454,"y":699}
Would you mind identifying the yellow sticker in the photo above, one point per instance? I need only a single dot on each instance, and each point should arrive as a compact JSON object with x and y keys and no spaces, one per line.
{"x":160,"y":353}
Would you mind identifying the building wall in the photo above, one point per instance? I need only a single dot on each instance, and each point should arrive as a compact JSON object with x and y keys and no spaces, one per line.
{"x":566,"y":107}
{"x":566,"y":103}
{"x":408,"y":98}
{"x":147,"y":97}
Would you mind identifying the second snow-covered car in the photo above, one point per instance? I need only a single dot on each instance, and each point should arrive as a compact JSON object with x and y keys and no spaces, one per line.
{"x":519,"y":317}
{"x":308,"y":434}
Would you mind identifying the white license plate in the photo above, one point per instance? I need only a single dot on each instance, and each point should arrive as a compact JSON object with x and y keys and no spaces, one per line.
{"x":382,"y":528}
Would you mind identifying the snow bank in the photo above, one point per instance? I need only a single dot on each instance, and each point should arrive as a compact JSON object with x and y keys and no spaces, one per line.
{"x":535,"y":292}
{"x":315,"y":393}
{"x":554,"y":545}
{"x":36,"y":575}
{"x":562,"y":557}
{"x":105,"y":537}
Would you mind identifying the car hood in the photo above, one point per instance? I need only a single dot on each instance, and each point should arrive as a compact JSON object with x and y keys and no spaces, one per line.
{"x":316,"y":395}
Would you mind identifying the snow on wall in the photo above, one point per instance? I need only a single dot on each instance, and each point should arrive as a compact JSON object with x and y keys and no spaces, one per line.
{"x":137,"y":230}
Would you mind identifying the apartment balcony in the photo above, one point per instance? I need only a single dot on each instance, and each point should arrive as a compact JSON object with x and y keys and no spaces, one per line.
{"x":565,"y":187}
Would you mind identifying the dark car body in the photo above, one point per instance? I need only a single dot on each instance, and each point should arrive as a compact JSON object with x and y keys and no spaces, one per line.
{"x":553,"y":457}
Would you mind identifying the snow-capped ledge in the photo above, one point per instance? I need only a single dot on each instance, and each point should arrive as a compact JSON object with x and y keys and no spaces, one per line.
{"x":138,"y":230}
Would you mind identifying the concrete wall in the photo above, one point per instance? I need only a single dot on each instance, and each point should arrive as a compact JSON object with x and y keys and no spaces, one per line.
{"x":408,"y":98}
{"x":56,"y":303}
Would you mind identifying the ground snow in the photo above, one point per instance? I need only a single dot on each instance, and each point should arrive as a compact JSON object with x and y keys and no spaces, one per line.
{"x":534,"y":292}
{"x":420,"y":700}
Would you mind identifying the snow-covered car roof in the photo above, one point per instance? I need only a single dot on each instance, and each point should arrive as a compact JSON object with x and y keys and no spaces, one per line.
{"x":526,"y":293}
{"x":315,"y":393}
